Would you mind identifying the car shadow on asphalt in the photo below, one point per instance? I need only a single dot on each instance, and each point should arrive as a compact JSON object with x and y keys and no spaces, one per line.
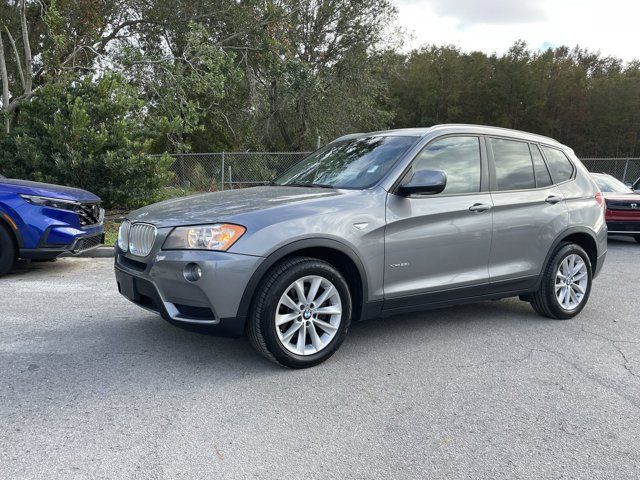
{"x":156,"y":339}
{"x":25,"y":269}
{"x":129,"y":331}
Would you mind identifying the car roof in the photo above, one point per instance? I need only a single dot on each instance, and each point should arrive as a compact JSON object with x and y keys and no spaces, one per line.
{"x":458,"y":128}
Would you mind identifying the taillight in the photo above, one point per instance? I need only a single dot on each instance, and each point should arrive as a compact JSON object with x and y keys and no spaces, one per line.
{"x":600,"y":200}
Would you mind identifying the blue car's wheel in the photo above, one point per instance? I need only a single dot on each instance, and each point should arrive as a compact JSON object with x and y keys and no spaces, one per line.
{"x":7,"y":250}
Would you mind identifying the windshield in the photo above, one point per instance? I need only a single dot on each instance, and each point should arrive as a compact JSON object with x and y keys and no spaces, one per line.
{"x":355,"y":163}
{"x":610,"y":184}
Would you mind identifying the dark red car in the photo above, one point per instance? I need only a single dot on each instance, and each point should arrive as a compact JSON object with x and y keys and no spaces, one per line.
{"x":623,"y":206}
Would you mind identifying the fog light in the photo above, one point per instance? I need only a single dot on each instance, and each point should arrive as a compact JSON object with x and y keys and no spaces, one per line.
{"x":192,"y":272}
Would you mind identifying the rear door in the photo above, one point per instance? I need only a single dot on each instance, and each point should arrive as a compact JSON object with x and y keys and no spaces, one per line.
{"x":440,"y":242}
{"x":528,"y":214}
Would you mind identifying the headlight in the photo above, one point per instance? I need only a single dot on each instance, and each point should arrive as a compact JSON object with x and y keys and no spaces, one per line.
{"x":51,"y":202}
{"x":219,"y":236}
{"x":123,"y":235}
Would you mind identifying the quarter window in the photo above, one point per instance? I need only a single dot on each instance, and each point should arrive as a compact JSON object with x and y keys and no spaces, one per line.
{"x":560,"y":166}
{"x":543,"y":179}
{"x":458,"y":157}
{"x":514,"y":169}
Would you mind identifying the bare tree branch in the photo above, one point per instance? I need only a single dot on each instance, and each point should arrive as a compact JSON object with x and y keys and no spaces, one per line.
{"x":17,"y":55}
{"x":28,"y":59}
{"x":15,"y":103}
{"x":5,"y":86}
{"x":99,"y":47}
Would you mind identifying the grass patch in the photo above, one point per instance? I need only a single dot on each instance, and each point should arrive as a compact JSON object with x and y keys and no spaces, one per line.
{"x":111,"y":226}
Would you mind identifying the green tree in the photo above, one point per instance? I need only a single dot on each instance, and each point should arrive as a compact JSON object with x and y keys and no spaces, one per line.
{"x":89,"y":133}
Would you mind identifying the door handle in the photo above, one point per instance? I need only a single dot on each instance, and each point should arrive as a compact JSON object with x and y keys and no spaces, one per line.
{"x":553,"y":199}
{"x":480,"y":207}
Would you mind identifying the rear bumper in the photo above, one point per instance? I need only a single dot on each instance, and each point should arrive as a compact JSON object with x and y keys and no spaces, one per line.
{"x":210,"y":303}
{"x":620,"y":227}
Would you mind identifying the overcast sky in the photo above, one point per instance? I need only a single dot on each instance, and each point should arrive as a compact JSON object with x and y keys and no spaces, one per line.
{"x":610,"y":26}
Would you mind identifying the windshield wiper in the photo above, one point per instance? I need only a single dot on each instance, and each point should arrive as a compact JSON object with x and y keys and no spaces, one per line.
{"x":316,"y":185}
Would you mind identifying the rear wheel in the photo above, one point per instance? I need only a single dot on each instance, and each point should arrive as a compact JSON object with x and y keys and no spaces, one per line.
{"x":8,"y":251}
{"x":566,"y":284}
{"x":301,"y":313}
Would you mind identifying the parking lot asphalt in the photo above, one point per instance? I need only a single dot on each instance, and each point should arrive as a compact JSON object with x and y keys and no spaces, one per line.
{"x":92,"y":386}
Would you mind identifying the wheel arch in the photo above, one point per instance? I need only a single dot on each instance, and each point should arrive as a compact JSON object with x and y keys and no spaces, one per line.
{"x":332,"y":251}
{"x":8,"y":222}
{"x":581,"y":236}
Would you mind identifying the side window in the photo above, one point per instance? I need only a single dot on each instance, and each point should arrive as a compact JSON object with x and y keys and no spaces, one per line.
{"x":560,"y":166}
{"x":543,"y":179}
{"x":514,"y":169}
{"x":458,"y":157}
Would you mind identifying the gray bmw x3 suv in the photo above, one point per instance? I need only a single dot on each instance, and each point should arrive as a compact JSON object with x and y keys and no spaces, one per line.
{"x":371,"y":225}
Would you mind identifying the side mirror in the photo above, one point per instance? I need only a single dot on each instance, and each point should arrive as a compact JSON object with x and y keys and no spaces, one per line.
{"x":425,"y":182}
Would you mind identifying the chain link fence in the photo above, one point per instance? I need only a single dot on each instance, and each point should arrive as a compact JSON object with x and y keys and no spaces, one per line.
{"x":204,"y":172}
{"x":625,"y":169}
{"x":210,"y":172}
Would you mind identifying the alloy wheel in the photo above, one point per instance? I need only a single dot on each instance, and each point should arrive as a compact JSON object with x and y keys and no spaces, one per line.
{"x":308,"y":315}
{"x":572,"y":281}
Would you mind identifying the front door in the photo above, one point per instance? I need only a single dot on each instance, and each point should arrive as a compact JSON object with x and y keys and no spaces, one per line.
{"x":438,"y":243}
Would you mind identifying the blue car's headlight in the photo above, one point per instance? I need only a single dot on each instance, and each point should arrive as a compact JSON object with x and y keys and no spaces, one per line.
{"x":51,"y":202}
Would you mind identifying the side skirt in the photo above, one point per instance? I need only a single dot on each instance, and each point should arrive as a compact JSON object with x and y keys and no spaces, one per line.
{"x":459,"y":296}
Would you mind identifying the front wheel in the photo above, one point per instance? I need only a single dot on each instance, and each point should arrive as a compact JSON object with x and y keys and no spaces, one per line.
{"x":8,"y":253}
{"x":566,"y":284}
{"x":301,"y":312}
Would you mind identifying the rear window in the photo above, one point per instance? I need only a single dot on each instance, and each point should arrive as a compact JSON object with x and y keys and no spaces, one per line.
{"x":514,"y":169}
{"x":561,"y":167}
{"x":543,"y":179}
{"x":609,"y":184}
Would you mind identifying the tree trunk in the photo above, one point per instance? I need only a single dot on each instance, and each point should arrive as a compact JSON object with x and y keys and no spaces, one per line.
{"x":5,"y":87}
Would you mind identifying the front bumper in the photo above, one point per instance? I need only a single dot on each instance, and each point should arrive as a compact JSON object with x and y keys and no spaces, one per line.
{"x":157,"y":283}
{"x":82,"y":242}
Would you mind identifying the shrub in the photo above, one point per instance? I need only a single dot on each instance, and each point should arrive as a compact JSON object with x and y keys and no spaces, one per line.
{"x":88,"y":133}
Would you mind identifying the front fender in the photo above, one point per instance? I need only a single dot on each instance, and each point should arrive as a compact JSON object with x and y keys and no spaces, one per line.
{"x":281,"y":252}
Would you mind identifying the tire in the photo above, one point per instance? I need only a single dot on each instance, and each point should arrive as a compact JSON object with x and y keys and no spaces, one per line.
{"x":281,"y":344}
{"x":8,"y":250}
{"x":637,"y":237}
{"x":546,"y":302}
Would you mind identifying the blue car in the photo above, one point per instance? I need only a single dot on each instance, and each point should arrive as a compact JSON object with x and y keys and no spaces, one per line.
{"x":41,"y":221}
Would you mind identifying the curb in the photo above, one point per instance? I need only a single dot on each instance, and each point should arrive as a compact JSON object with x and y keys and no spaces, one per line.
{"x":100,"y":252}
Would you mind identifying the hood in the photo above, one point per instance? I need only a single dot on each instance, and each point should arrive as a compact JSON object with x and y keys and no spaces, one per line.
{"x":224,"y":206}
{"x":47,"y":190}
